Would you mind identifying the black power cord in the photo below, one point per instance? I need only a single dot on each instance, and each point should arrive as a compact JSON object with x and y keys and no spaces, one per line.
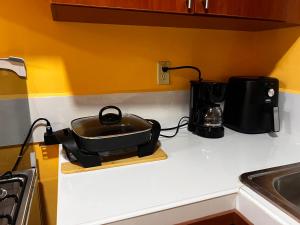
{"x":6,"y":175}
{"x":182,"y":119}
{"x":166,"y":69}
{"x":22,"y":150}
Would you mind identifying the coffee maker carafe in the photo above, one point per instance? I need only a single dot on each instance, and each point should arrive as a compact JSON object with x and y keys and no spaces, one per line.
{"x":206,"y":116}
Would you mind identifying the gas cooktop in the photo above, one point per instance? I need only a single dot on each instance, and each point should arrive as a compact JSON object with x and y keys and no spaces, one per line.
{"x":15,"y":195}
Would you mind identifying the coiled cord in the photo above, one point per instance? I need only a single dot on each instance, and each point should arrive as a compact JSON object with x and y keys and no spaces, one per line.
{"x":184,"y":119}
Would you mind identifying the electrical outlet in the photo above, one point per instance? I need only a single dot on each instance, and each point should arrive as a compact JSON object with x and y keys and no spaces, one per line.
{"x":163,"y":78}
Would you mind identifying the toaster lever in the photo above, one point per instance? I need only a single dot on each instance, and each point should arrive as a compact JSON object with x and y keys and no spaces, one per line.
{"x":276,"y":119}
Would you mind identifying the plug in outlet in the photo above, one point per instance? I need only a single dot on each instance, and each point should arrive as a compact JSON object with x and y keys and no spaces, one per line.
{"x":163,"y":78}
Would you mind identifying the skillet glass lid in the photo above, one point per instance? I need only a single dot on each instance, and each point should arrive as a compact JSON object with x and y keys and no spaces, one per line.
{"x":109,"y":124}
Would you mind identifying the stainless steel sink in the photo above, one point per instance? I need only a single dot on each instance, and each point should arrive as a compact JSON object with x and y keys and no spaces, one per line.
{"x":289,"y":187}
{"x":279,"y":185}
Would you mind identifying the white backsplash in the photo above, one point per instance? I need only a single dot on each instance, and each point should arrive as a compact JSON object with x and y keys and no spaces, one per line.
{"x":289,"y":106}
{"x":166,"y":107}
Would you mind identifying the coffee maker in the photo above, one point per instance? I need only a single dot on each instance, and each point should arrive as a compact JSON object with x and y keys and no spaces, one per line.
{"x":206,"y":116}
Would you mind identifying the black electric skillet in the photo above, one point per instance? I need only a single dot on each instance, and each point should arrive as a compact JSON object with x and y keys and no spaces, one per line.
{"x":107,"y":134}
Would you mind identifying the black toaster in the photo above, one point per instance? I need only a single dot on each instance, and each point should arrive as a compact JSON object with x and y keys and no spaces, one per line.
{"x":251,"y":105}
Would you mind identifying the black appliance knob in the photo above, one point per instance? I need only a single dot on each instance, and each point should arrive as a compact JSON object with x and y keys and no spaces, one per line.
{"x":271,"y":92}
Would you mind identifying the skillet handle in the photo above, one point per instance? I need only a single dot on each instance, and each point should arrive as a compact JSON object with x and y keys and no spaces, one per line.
{"x":150,"y":147}
{"x":67,"y":139}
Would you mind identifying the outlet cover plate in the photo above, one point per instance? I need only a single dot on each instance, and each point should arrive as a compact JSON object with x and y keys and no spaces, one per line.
{"x":163,"y":78}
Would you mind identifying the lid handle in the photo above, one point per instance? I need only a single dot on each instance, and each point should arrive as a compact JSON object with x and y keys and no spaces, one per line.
{"x":110,"y":118}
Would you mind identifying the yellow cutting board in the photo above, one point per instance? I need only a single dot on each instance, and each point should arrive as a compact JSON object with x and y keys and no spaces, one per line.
{"x":159,"y":154}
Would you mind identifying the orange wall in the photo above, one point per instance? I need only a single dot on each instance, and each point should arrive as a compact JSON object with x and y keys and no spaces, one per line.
{"x":277,"y":52}
{"x":47,"y":158}
{"x":75,"y":58}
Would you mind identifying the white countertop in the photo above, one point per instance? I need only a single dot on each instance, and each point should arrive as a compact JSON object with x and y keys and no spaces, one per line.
{"x":196,"y":169}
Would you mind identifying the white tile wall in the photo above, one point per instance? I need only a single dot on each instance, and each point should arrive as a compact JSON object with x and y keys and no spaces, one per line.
{"x":166,"y":107}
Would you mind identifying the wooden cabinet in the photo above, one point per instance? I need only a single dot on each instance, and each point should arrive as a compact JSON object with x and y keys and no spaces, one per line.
{"x":227,"y":218}
{"x":169,"y":6}
{"x":293,"y":11}
{"x":256,"y":9}
{"x":214,"y":14}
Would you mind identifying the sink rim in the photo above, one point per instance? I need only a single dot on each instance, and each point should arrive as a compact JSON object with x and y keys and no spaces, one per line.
{"x":262,"y":182}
